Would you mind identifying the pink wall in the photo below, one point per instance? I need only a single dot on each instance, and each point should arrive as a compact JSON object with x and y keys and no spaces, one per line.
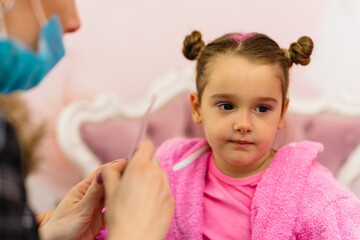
{"x":124,"y":45}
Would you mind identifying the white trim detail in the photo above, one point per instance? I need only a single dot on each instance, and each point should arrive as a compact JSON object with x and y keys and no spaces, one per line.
{"x":183,"y":163}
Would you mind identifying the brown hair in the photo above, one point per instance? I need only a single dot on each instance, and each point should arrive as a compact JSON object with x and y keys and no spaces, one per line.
{"x":257,"y":47}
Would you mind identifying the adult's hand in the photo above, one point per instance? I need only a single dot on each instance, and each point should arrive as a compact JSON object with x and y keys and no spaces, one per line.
{"x":79,"y":214}
{"x":138,"y":202}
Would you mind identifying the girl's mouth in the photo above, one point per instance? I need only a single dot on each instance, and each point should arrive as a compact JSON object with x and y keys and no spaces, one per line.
{"x":242,"y":142}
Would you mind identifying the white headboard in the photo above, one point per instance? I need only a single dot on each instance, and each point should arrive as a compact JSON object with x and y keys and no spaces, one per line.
{"x":108,"y":107}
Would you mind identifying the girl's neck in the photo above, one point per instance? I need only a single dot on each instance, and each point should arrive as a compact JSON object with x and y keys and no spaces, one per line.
{"x":245,"y":171}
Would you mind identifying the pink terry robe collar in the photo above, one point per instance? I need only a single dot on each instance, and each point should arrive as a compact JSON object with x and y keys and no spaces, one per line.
{"x":277,"y":195}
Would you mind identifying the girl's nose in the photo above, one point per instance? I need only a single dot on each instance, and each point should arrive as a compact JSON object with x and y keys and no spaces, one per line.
{"x":243,"y":124}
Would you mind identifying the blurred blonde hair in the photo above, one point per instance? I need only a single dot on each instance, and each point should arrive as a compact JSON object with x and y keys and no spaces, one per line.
{"x":29,"y":136}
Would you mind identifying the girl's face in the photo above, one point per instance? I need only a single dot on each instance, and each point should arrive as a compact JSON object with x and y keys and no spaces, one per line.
{"x":241,"y":111}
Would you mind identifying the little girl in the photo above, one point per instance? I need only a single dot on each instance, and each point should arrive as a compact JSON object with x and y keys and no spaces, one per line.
{"x":233,"y":185}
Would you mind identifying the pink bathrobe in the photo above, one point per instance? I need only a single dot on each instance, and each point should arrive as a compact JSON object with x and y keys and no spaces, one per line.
{"x":297,"y":198}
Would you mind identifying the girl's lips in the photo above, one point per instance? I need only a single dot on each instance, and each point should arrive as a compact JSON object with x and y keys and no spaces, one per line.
{"x":241,"y":142}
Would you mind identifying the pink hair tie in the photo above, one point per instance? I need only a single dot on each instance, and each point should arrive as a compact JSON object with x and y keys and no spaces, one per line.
{"x":240,"y":37}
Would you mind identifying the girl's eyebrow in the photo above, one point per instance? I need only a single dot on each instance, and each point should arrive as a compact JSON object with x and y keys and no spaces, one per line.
{"x":223,"y":95}
{"x":268,"y":99}
{"x":227,"y":95}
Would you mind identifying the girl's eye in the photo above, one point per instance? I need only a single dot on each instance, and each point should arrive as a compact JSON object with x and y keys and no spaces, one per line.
{"x":262,"y":109}
{"x":226,"y":106}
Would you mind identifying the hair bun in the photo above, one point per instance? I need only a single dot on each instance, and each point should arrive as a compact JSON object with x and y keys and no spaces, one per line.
{"x":300,"y":51}
{"x":193,"y":45}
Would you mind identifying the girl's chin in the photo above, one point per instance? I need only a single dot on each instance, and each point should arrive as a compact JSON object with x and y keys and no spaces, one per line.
{"x":239,"y":163}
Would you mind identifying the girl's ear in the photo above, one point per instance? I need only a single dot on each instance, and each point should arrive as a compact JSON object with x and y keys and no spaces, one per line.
{"x":195,"y":108}
{"x":283,"y":114}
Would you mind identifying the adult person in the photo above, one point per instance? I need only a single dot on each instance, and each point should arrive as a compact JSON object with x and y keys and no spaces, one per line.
{"x":30,"y":45}
{"x":142,"y":183}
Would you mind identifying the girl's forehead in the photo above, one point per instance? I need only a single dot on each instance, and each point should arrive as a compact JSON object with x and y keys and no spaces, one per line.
{"x":239,"y":75}
{"x":237,"y":68}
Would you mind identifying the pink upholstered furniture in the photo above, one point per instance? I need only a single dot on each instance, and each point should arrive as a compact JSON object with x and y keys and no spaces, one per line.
{"x":91,"y":133}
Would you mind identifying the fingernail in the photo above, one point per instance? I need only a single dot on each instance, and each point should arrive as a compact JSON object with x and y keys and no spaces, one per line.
{"x":99,"y":179}
{"x":113,"y":162}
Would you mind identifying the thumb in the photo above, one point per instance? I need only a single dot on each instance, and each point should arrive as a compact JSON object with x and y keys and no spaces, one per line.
{"x":143,"y":155}
{"x":94,"y":193}
{"x":111,"y":175}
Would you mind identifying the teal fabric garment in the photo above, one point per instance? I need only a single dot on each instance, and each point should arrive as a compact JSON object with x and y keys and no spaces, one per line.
{"x":22,"y":68}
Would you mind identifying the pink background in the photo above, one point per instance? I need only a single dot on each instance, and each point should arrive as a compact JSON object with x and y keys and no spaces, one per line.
{"x":124,"y":46}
